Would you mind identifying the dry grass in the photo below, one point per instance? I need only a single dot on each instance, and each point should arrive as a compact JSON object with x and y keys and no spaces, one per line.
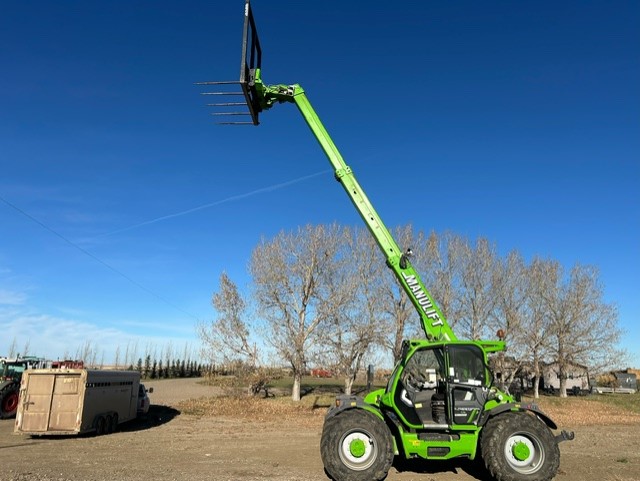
{"x":309,"y":412}
{"x":591,"y":411}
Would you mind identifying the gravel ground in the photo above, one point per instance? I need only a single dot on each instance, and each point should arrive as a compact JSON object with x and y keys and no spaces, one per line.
{"x":170,"y":446}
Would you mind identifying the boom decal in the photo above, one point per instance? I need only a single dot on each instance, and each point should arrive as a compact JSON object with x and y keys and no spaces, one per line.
{"x":423,"y":299}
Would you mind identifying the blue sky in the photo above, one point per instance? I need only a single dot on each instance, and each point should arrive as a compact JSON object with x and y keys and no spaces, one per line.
{"x":519,"y":122}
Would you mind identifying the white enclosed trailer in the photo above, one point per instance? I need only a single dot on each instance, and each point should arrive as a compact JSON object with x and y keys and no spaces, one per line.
{"x":74,"y":401}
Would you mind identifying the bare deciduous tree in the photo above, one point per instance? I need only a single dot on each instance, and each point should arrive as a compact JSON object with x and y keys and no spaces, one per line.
{"x":116,"y":360}
{"x":12,"y":348}
{"x":441,"y":272}
{"x":130,"y":354}
{"x":305,"y":285}
{"x":227,"y":339}
{"x":535,"y":337}
{"x":476,"y":297}
{"x":355,"y":321}
{"x":290,"y":275}
{"x":583,"y":327}
{"x":510,"y":315}
{"x":26,"y":348}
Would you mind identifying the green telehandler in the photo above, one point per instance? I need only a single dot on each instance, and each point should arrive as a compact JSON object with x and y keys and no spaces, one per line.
{"x":440,"y":402}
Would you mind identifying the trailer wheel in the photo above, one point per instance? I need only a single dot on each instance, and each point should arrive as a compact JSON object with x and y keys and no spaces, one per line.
{"x":108,"y":424}
{"x":518,"y":446}
{"x":100,"y":426}
{"x":9,"y":398}
{"x":114,"y":422}
{"x":356,"y":445}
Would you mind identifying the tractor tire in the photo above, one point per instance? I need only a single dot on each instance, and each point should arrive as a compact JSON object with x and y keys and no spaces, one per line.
{"x":9,"y":398}
{"x":517,"y":446}
{"x":356,"y":445}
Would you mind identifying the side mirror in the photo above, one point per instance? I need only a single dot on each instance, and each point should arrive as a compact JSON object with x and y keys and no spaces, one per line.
{"x":150,"y":390}
{"x":406,"y":346}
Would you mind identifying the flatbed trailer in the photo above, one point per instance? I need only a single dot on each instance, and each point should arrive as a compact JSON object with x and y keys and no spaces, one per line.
{"x":76,"y":401}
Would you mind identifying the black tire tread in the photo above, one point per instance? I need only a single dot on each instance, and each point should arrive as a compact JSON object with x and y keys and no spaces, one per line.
{"x":496,"y":432}
{"x":11,"y":388}
{"x":332,"y":431}
{"x":100,"y":425}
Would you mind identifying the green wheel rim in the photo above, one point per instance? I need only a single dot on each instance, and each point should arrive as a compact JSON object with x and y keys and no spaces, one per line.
{"x":524,"y":453}
{"x":358,"y":450}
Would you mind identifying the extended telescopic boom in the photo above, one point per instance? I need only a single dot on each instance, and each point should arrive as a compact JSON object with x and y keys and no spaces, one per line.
{"x":433,"y":321}
{"x":258,"y":97}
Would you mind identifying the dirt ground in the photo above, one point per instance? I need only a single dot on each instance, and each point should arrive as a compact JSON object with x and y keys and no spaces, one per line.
{"x":170,"y":445}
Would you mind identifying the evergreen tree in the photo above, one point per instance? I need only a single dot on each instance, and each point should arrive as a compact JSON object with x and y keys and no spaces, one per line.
{"x":139,"y":366}
{"x":147,"y":367}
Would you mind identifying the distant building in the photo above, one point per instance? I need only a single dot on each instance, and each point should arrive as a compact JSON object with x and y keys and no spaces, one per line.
{"x":626,"y":379}
{"x":577,"y":377}
{"x":504,"y":368}
{"x":625,"y":382}
{"x":511,"y":374}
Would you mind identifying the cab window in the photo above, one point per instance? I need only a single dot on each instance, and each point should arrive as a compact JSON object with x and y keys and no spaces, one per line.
{"x":467,"y":366}
{"x":424,"y":369}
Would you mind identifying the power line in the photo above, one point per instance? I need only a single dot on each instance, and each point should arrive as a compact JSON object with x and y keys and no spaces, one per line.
{"x":95,"y":258}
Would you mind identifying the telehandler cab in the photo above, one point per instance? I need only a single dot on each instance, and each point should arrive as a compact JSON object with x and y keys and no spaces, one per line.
{"x":440,"y":401}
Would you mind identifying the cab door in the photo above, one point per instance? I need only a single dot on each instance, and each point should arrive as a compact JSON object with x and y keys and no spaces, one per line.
{"x":419,"y":393}
{"x":468,"y":380}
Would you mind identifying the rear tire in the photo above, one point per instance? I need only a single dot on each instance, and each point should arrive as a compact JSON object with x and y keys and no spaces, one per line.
{"x":100,"y":426}
{"x":108,"y":424}
{"x":356,"y":445}
{"x":114,"y":423}
{"x":519,"y":447}
{"x":9,"y":398}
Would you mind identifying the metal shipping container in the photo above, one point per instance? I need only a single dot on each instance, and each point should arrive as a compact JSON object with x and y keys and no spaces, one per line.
{"x":74,"y":401}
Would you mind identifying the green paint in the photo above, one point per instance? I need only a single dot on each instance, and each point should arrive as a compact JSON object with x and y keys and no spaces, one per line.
{"x":521,"y":451}
{"x":357,"y":448}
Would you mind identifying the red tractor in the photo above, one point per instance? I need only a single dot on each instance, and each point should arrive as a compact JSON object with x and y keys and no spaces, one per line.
{"x":10,"y":375}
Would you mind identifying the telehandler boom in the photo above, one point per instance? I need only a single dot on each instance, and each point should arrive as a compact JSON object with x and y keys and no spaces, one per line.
{"x":440,"y":401}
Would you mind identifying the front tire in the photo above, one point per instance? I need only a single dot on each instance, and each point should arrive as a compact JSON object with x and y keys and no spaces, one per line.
{"x":356,"y":445}
{"x":9,"y":398}
{"x":518,"y":446}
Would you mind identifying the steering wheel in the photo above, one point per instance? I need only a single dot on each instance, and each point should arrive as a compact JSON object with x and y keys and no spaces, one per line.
{"x":414,"y":380}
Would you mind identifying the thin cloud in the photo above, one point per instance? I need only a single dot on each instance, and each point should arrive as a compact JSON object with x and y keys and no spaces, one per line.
{"x":233,"y":198}
{"x":12,"y":298}
{"x":54,"y":337}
